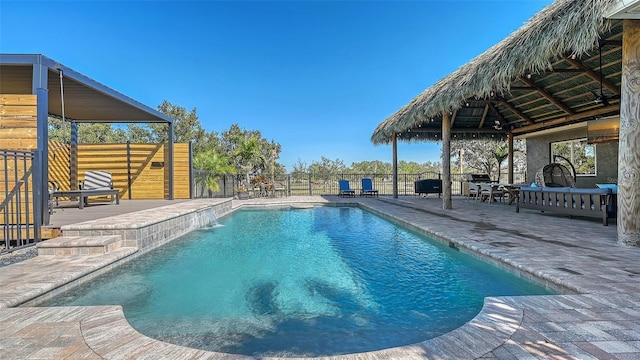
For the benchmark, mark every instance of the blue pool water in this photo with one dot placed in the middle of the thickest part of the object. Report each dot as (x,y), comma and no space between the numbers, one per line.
(300,282)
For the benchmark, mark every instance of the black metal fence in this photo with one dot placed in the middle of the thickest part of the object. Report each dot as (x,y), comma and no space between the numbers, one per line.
(297,184)
(21,212)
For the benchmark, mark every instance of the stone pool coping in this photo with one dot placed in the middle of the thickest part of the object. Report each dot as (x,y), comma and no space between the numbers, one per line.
(105,332)
(507,327)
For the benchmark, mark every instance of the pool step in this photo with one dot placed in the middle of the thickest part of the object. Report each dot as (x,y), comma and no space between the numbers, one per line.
(80,245)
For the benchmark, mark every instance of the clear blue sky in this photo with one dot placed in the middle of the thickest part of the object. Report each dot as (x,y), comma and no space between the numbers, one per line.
(315,76)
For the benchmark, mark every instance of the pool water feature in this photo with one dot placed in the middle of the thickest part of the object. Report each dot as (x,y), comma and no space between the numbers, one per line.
(300,282)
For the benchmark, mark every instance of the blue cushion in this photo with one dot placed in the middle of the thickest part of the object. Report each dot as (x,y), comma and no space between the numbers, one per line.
(613,187)
(556,189)
(591,191)
(530,188)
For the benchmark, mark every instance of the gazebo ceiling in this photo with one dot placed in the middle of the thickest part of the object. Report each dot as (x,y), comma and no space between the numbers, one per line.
(563,66)
(85,100)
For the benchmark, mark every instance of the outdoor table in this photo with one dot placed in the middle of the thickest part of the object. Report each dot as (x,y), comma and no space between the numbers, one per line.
(512,190)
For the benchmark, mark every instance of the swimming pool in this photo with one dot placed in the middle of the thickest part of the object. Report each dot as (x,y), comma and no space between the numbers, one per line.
(300,282)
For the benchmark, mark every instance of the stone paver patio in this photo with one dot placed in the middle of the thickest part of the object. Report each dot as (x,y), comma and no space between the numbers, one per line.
(598,317)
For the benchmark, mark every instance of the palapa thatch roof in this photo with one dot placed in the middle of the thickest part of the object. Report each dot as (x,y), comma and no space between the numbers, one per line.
(544,74)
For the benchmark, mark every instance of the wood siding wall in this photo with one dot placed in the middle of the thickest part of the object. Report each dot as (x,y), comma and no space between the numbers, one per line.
(147,167)
(18,131)
(18,122)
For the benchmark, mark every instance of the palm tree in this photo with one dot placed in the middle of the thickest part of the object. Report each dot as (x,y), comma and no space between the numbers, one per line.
(215,166)
(248,155)
(500,153)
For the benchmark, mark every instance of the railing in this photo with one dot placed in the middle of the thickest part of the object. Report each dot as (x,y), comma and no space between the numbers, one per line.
(20,210)
(327,184)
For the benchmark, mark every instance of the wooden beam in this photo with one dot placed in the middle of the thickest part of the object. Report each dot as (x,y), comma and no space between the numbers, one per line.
(567,70)
(592,74)
(394,145)
(524,88)
(501,118)
(510,159)
(460,131)
(566,119)
(515,111)
(446,162)
(628,146)
(548,96)
(453,117)
(484,116)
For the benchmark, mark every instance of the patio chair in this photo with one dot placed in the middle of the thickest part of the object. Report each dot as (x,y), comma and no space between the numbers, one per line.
(279,188)
(345,190)
(490,192)
(367,188)
(474,191)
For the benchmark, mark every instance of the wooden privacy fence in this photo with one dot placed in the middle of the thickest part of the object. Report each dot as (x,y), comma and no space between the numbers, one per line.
(139,171)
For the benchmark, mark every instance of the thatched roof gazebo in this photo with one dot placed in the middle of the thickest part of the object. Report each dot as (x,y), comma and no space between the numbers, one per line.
(566,65)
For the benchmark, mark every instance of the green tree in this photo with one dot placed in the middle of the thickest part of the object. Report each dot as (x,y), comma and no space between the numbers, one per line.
(215,166)
(235,137)
(327,166)
(186,128)
(88,133)
(500,154)
(371,167)
(249,157)
(410,167)
(486,156)
(140,134)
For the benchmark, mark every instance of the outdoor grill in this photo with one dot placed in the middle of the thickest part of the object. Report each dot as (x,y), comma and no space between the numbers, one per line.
(428,186)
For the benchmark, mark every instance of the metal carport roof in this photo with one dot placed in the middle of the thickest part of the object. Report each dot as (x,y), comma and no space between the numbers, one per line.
(85,100)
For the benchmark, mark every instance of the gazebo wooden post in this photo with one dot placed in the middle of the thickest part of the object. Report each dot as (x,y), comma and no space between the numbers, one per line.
(510,159)
(629,150)
(394,141)
(446,161)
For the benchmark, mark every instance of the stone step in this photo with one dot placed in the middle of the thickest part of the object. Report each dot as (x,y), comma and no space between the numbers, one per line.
(80,245)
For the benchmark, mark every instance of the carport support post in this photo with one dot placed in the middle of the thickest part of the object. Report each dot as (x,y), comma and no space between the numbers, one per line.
(446,161)
(394,185)
(629,147)
(73,156)
(171,159)
(40,79)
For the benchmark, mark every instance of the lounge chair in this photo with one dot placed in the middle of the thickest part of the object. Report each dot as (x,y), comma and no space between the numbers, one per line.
(344,188)
(53,187)
(367,188)
(95,183)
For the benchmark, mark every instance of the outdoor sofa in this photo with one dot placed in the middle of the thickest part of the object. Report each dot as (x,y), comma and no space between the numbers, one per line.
(589,202)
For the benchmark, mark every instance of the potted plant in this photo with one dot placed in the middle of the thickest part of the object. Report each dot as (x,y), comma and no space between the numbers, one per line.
(242,192)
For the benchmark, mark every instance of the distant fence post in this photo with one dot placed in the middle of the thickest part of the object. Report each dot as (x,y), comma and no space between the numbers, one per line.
(310,190)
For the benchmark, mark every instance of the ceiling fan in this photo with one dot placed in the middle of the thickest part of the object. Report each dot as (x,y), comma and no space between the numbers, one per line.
(601,98)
